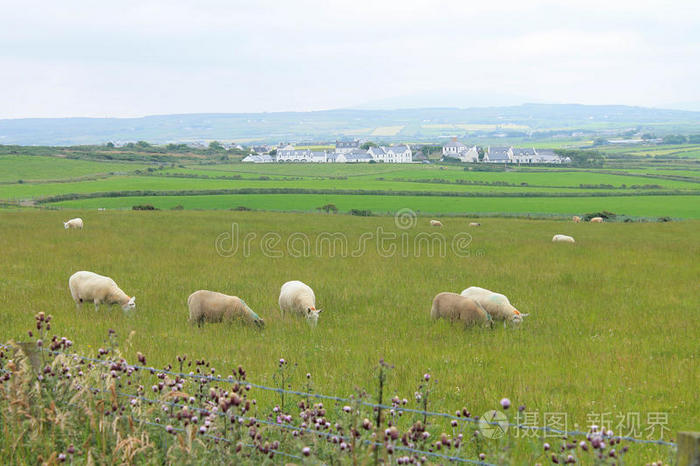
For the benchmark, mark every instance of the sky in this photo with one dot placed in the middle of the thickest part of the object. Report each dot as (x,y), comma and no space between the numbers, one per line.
(133,58)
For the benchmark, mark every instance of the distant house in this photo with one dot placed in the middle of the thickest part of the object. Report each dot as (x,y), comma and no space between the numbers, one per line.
(391,154)
(419,157)
(457,151)
(354,156)
(344,147)
(261,149)
(258,158)
(524,155)
(305,155)
(499,155)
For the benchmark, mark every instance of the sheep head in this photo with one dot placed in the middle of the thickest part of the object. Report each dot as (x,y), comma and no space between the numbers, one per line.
(131,304)
(312,315)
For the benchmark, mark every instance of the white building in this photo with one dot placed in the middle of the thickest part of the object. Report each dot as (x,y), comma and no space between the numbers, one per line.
(458,151)
(344,147)
(499,155)
(391,154)
(258,158)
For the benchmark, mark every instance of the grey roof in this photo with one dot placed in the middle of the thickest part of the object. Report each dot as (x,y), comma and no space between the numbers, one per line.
(358,154)
(547,152)
(454,144)
(346,144)
(523,151)
(377,150)
(399,148)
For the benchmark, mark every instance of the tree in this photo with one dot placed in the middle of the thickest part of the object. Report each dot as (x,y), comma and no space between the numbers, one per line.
(216,145)
(675,139)
(110,145)
(481,153)
(367,145)
(328,208)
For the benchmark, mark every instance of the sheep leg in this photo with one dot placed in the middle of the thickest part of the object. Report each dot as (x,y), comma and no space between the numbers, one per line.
(97,304)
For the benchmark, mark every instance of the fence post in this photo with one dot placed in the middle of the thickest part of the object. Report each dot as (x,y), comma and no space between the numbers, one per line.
(688,449)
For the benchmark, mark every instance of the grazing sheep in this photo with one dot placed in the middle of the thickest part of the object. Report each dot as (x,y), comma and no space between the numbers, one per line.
(496,304)
(101,209)
(298,298)
(210,306)
(435,223)
(89,286)
(597,220)
(562,239)
(457,308)
(474,224)
(73,223)
(577,219)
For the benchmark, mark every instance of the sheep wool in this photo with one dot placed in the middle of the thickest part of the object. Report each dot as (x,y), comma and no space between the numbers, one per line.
(496,304)
(211,306)
(298,298)
(457,308)
(89,286)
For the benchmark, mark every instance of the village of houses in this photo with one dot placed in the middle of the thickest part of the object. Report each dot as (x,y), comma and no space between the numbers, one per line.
(352,152)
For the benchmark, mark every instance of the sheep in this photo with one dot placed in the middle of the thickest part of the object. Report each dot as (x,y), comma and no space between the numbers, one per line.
(597,220)
(298,298)
(210,306)
(562,239)
(576,219)
(435,223)
(474,224)
(454,307)
(89,286)
(74,223)
(496,304)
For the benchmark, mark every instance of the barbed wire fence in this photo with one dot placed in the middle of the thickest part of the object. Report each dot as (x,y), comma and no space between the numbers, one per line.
(286,426)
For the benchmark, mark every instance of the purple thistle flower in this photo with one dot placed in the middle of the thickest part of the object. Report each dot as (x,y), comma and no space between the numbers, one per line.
(505,403)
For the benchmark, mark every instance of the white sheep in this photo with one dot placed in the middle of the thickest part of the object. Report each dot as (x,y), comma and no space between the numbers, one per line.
(474,224)
(74,223)
(89,286)
(576,219)
(563,239)
(457,308)
(496,304)
(597,220)
(298,298)
(435,223)
(210,306)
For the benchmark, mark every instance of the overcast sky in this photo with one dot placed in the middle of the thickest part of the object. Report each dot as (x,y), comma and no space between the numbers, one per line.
(133,58)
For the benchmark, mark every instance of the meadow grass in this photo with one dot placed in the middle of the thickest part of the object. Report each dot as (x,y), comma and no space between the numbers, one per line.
(22,167)
(636,206)
(613,318)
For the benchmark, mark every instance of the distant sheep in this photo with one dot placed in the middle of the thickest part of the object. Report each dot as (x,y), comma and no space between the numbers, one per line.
(577,219)
(210,306)
(101,209)
(474,224)
(74,223)
(597,220)
(298,298)
(562,239)
(457,308)
(496,304)
(89,286)
(435,223)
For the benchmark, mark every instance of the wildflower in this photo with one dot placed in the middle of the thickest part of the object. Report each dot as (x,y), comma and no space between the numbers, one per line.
(482,456)
(346,409)
(61,457)
(454,423)
(169,429)
(505,403)
(306,451)
(546,446)
(426,376)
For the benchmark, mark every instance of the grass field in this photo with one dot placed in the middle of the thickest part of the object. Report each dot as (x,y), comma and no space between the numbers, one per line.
(612,328)
(26,168)
(636,206)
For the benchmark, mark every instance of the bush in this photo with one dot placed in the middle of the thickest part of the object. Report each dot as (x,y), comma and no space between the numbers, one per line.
(143,207)
(604,214)
(361,213)
(177,207)
(664,219)
(242,208)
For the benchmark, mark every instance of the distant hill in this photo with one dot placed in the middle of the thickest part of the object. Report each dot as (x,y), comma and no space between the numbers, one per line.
(402,124)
